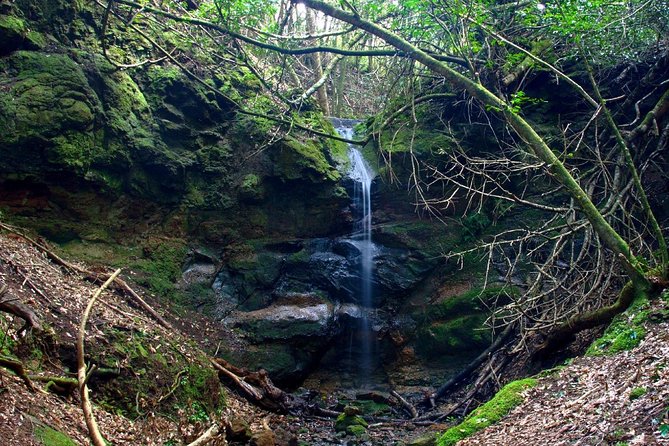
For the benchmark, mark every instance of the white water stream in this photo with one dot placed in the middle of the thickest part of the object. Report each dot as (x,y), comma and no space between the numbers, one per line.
(362,176)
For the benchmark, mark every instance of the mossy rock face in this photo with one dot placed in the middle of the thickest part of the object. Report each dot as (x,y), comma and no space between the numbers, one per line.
(13,31)
(457,324)
(297,160)
(464,334)
(49,112)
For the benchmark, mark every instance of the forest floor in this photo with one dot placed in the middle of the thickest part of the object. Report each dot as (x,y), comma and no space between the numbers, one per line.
(598,400)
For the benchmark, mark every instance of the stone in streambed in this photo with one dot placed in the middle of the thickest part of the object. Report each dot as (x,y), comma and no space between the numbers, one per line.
(351,422)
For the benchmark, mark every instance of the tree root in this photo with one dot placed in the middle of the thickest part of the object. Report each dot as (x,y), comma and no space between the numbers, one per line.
(18,369)
(58,384)
(563,333)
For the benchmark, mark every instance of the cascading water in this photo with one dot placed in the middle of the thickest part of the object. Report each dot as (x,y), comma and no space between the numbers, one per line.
(362,176)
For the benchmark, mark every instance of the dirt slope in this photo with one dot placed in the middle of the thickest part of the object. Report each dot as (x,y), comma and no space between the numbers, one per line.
(619,400)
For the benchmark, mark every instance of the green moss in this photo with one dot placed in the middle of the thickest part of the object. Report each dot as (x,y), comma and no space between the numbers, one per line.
(372,408)
(465,333)
(625,332)
(637,392)
(36,40)
(51,437)
(300,159)
(159,75)
(12,24)
(161,266)
(356,430)
(251,188)
(471,301)
(47,98)
(344,422)
(418,140)
(457,324)
(489,413)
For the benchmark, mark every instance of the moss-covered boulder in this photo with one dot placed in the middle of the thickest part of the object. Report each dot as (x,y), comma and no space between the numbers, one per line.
(49,113)
(350,422)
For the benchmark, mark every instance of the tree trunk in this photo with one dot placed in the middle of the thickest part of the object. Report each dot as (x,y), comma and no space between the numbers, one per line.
(317,65)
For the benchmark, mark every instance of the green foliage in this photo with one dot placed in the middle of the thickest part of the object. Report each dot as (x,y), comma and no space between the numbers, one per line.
(489,413)
(7,342)
(198,413)
(234,13)
(51,437)
(637,393)
(520,98)
(161,267)
(611,31)
(474,225)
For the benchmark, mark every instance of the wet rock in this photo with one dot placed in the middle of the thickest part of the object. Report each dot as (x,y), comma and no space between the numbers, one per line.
(310,318)
(198,273)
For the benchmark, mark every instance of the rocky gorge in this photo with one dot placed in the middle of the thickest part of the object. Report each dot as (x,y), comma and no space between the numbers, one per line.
(151,169)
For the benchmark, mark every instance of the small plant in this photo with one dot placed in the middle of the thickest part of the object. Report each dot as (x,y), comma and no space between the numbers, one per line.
(199,413)
(637,393)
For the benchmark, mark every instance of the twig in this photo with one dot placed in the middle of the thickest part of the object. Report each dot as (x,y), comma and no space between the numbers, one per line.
(407,405)
(207,436)
(86,407)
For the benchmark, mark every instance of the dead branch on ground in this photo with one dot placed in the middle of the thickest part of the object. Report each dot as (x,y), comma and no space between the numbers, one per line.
(82,376)
(18,369)
(91,276)
(13,305)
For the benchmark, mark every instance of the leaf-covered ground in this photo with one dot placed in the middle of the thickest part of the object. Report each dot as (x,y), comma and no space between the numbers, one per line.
(621,399)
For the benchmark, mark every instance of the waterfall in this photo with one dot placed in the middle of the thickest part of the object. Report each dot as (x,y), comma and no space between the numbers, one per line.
(362,176)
